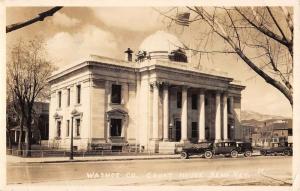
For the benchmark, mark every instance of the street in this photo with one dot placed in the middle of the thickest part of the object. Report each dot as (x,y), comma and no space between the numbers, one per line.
(258,170)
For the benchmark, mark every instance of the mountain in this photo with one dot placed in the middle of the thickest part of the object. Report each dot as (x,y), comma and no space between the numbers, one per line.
(251,115)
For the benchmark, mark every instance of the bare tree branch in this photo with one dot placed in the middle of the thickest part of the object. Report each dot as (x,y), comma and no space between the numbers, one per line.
(39,17)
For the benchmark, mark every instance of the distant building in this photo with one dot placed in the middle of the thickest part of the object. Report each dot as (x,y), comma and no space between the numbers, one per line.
(271,131)
(153,102)
(40,124)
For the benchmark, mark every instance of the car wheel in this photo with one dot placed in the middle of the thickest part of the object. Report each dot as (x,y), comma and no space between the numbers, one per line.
(234,154)
(248,154)
(263,153)
(286,153)
(184,155)
(208,154)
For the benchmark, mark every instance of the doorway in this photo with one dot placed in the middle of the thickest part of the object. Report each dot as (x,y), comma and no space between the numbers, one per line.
(177,131)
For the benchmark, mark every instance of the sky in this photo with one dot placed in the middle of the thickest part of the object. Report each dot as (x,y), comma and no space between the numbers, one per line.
(76,32)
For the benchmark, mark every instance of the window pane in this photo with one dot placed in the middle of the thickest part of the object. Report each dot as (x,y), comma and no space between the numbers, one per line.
(68,128)
(59,99)
(68,98)
(115,127)
(58,128)
(78,93)
(77,127)
(116,93)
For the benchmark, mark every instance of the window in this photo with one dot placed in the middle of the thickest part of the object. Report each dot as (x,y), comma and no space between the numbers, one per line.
(78,87)
(115,127)
(179,98)
(116,94)
(59,99)
(68,128)
(58,133)
(194,130)
(194,101)
(68,96)
(77,127)
(206,102)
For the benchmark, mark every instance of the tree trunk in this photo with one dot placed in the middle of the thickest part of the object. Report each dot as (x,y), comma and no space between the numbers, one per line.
(28,137)
(20,135)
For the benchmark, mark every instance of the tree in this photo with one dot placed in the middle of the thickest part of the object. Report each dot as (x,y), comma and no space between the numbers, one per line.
(261,36)
(39,17)
(27,73)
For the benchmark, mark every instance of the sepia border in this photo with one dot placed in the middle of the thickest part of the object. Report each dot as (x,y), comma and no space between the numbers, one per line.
(136,3)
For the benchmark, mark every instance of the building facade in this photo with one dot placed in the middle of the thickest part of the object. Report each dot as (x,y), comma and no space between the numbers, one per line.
(151,103)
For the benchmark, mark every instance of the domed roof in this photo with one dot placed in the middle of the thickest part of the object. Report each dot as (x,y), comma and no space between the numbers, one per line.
(160,41)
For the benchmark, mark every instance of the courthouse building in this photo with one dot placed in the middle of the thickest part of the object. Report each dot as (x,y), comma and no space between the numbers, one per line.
(152,100)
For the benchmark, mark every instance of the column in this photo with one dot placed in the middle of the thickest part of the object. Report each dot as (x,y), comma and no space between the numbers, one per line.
(201,118)
(184,115)
(166,112)
(218,118)
(155,111)
(108,131)
(225,118)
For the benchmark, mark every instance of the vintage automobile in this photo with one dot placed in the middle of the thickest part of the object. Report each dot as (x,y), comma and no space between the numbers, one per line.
(195,149)
(277,149)
(245,148)
(208,150)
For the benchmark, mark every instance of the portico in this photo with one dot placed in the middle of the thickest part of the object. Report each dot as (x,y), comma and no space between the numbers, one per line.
(161,91)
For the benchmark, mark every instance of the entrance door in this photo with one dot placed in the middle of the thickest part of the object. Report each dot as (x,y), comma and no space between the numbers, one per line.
(177,130)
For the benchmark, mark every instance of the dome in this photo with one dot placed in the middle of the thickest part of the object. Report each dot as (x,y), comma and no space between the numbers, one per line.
(160,41)
(162,45)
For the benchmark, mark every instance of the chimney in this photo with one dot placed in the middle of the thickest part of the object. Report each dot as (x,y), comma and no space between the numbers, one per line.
(128,55)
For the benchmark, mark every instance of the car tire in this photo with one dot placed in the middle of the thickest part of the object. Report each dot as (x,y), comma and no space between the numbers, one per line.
(286,153)
(234,154)
(184,155)
(248,154)
(263,153)
(208,154)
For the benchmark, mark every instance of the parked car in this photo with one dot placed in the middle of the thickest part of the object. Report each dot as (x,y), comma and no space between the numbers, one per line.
(195,149)
(245,148)
(277,149)
(208,150)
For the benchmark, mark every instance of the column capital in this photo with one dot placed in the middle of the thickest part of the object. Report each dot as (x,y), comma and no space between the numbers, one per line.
(165,84)
(156,84)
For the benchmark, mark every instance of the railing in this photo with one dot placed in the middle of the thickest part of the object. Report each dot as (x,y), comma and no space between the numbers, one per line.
(66,153)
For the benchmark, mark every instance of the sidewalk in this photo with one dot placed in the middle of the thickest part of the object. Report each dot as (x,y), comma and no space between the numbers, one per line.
(16,159)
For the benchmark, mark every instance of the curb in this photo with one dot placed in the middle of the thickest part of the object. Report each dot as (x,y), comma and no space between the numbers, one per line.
(93,160)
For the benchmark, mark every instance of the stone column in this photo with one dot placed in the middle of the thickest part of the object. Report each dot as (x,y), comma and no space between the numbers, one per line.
(155,111)
(166,112)
(201,117)
(108,131)
(218,118)
(225,118)
(184,115)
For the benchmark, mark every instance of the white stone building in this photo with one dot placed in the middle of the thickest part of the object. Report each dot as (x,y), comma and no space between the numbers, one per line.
(151,103)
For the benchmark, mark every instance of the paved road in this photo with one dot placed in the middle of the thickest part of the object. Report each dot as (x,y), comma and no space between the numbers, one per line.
(196,171)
